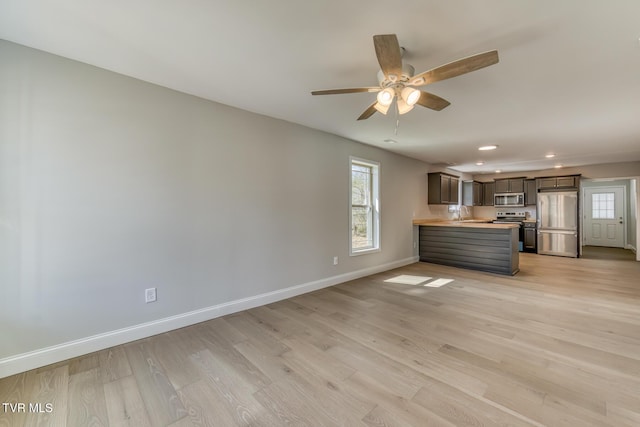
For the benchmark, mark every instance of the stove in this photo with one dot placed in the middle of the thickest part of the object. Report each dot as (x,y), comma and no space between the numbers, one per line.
(505,217)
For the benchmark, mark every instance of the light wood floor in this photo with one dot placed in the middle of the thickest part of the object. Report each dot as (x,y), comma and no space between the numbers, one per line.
(600,252)
(556,345)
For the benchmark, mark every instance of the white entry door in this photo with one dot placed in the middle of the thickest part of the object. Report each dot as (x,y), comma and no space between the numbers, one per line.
(604,216)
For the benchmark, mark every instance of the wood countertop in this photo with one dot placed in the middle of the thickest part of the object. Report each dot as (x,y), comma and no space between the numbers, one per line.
(474,223)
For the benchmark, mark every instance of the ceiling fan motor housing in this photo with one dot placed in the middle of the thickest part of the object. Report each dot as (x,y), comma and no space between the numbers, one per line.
(407,72)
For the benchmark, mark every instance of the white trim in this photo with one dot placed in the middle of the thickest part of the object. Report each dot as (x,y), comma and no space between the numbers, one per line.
(376,184)
(364,251)
(586,203)
(56,353)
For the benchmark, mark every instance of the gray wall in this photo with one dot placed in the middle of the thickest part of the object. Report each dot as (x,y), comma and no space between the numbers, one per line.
(109,185)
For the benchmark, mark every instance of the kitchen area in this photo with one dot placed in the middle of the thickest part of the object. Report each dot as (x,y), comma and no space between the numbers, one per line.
(542,213)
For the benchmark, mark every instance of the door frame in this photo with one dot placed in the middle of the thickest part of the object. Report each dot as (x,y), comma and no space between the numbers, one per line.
(635,206)
(625,231)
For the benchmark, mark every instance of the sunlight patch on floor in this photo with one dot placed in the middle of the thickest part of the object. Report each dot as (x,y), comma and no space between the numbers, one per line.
(405,279)
(438,282)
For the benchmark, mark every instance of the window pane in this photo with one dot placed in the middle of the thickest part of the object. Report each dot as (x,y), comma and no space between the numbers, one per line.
(361,233)
(360,184)
(603,205)
(365,219)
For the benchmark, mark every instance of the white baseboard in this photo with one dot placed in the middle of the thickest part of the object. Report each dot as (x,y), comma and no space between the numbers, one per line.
(45,356)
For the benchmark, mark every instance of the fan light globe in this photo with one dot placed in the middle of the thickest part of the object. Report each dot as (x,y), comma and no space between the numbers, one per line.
(403,107)
(385,97)
(410,95)
(381,108)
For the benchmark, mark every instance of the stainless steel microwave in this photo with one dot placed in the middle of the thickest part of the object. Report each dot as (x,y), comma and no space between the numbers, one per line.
(509,200)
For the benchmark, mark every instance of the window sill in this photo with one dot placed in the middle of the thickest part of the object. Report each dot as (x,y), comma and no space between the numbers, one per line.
(364,251)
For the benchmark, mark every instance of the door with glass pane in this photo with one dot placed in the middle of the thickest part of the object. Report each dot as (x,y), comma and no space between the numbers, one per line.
(604,217)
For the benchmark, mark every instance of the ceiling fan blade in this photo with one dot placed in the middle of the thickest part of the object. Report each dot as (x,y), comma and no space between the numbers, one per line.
(340,91)
(389,55)
(368,112)
(456,68)
(432,101)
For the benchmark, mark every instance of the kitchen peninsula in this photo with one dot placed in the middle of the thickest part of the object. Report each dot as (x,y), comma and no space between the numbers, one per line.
(476,245)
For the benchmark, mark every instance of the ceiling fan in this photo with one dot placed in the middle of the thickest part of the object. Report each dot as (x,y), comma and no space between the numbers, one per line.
(397,80)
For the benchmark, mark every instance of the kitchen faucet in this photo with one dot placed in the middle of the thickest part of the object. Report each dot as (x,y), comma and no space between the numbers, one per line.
(460,216)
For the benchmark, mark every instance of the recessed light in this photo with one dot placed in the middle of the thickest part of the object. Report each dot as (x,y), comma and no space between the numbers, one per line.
(498,171)
(479,163)
(557,166)
(487,147)
(550,156)
(391,141)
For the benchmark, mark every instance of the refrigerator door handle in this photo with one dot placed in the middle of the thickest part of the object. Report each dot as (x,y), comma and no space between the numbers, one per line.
(574,232)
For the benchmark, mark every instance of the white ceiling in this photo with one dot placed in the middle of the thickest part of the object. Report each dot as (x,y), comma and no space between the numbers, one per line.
(568,80)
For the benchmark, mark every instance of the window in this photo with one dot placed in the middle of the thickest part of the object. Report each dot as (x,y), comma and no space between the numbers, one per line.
(364,206)
(602,205)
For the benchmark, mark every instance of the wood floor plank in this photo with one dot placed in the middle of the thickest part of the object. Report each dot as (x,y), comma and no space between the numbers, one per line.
(84,363)
(204,406)
(520,376)
(278,325)
(325,364)
(223,328)
(185,422)
(296,402)
(431,364)
(13,390)
(227,355)
(325,375)
(259,335)
(390,408)
(273,367)
(49,393)
(113,364)
(160,398)
(125,407)
(625,411)
(397,378)
(87,404)
(230,387)
(460,408)
(173,351)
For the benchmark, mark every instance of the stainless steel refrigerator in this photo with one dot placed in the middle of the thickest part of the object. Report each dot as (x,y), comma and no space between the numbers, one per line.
(558,223)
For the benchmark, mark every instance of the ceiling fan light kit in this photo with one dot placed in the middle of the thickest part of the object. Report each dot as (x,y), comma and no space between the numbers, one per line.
(410,95)
(403,107)
(381,108)
(397,81)
(385,96)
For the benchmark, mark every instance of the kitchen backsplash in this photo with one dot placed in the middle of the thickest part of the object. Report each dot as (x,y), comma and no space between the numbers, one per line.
(442,211)
(490,211)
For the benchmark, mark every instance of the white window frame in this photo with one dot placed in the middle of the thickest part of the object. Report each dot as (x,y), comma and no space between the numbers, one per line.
(374,204)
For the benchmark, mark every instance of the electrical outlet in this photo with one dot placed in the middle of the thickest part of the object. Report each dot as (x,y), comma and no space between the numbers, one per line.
(335,260)
(150,295)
